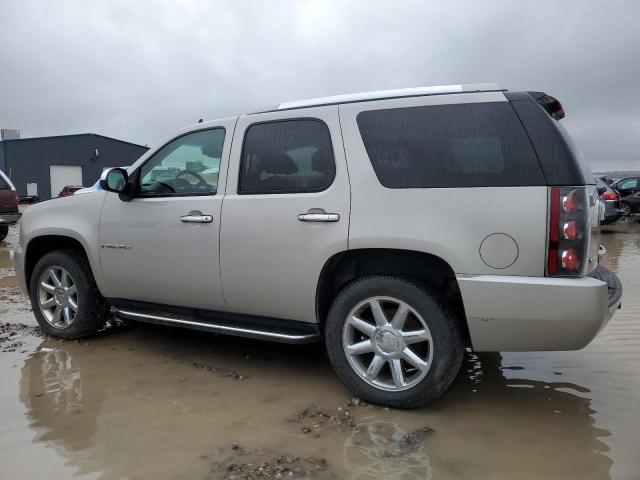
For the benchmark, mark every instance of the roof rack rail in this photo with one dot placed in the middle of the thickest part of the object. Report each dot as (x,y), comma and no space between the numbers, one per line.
(385,94)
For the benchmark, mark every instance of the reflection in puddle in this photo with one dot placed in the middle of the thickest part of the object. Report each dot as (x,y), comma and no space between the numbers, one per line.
(384,450)
(53,393)
(96,403)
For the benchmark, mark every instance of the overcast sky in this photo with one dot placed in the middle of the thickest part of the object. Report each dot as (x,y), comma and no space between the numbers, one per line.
(141,70)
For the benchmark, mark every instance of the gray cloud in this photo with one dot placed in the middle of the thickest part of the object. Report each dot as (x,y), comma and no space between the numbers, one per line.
(141,70)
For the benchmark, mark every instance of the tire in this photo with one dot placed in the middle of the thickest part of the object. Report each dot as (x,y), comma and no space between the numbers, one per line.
(627,209)
(4,231)
(442,356)
(92,311)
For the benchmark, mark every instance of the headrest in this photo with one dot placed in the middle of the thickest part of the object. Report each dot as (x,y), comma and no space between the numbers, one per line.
(280,164)
(212,148)
(320,159)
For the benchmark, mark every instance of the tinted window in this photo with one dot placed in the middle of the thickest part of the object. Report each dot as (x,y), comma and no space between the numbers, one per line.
(469,145)
(189,165)
(3,184)
(290,156)
(555,150)
(627,184)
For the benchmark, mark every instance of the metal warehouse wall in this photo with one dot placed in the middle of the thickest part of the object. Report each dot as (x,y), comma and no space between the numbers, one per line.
(27,160)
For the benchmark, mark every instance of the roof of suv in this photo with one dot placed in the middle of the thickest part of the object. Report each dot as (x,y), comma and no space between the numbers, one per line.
(385,94)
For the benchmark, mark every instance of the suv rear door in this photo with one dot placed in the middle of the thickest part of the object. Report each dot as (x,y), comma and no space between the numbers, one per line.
(285,211)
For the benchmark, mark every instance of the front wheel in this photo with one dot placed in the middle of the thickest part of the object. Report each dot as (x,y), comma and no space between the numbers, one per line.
(64,296)
(393,342)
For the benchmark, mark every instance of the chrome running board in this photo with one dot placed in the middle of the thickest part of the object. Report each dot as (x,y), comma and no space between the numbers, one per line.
(251,327)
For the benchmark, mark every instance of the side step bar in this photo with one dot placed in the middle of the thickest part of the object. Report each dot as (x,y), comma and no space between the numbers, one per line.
(252,327)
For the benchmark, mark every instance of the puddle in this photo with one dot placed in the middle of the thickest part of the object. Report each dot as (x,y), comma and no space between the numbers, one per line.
(152,402)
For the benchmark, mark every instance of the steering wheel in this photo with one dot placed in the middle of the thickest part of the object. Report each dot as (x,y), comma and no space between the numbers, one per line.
(185,184)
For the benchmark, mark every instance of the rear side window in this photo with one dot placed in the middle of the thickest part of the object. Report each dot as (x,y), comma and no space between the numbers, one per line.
(4,185)
(289,156)
(468,145)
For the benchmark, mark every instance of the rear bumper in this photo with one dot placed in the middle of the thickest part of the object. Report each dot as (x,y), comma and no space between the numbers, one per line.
(9,218)
(510,313)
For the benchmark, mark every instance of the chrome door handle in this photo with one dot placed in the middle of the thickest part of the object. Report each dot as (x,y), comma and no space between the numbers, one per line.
(319,217)
(191,218)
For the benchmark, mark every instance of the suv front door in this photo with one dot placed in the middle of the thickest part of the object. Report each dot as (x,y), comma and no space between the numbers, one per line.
(162,247)
(285,211)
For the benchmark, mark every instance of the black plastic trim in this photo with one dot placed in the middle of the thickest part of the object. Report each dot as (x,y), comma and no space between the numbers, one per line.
(250,326)
(612,281)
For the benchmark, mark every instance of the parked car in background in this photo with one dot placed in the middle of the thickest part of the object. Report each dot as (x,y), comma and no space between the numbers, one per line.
(629,190)
(330,220)
(613,210)
(69,190)
(9,213)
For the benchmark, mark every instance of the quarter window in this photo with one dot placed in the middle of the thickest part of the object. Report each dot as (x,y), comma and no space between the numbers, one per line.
(189,165)
(468,145)
(289,156)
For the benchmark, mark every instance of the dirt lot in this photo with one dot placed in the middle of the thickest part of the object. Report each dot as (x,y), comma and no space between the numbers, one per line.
(150,402)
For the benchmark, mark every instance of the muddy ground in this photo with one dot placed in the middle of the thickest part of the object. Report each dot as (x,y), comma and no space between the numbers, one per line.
(150,402)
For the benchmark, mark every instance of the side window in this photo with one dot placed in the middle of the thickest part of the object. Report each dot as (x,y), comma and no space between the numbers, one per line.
(288,156)
(189,165)
(628,184)
(467,145)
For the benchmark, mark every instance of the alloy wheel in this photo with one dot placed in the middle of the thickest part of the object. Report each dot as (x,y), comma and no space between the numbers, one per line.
(387,343)
(57,297)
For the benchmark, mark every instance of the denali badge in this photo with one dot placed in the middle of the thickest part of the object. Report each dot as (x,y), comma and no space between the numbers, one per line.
(117,246)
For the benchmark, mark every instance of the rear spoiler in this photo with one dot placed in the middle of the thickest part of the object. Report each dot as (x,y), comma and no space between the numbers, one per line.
(551,105)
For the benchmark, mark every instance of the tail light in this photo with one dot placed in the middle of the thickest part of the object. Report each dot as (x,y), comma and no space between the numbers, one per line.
(567,248)
(16,199)
(609,196)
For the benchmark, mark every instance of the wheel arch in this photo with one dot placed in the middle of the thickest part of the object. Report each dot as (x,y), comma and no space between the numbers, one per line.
(41,245)
(349,265)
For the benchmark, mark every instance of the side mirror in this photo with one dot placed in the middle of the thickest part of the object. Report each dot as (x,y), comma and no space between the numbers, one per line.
(117,180)
(114,180)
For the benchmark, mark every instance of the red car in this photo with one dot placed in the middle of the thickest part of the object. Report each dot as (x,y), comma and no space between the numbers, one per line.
(9,213)
(69,190)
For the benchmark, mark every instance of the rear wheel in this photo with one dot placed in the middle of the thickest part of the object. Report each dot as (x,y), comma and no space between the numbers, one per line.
(393,341)
(4,231)
(627,209)
(64,297)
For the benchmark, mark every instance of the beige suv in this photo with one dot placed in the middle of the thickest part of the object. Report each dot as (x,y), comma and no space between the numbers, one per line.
(397,227)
